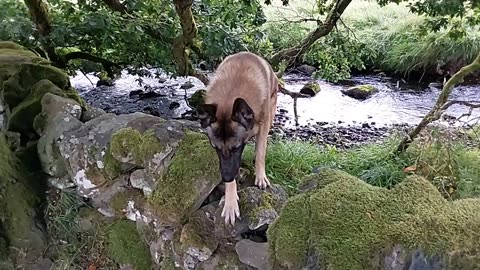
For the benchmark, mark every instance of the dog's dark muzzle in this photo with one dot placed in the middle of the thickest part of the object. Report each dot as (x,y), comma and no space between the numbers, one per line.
(230,166)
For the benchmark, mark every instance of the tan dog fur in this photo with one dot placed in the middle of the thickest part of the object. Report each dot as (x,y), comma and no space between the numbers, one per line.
(249,77)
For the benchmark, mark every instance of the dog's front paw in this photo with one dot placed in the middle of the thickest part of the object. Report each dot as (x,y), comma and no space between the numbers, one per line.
(262,181)
(230,209)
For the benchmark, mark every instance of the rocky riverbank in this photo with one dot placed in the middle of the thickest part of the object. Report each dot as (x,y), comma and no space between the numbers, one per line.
(330,117)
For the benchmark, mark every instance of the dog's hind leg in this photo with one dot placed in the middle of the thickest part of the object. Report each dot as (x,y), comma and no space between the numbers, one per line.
(261,179)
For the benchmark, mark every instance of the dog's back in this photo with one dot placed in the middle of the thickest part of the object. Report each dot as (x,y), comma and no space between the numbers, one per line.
(243,75)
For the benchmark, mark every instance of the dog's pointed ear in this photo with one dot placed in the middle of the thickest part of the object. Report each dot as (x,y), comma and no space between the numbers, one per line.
(207,114)
(243,114)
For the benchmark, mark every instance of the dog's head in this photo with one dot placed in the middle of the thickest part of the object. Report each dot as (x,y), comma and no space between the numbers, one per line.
(228,134)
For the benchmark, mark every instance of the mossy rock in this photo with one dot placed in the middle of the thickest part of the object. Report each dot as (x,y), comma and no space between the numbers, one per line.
(196,237)
(345,223)
(311,89)
(73,94)
(260,207)
(119,201)
(11,59)
(20,84)
(197,98)
(22,116)
(128,145)
(125,246)
(17,226)
(360,92)
(11,45)
(191,176)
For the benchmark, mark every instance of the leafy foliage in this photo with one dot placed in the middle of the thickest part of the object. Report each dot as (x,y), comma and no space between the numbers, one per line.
(141,33)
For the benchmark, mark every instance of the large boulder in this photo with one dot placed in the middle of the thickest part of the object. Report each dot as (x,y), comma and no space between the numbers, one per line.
(340,222)
(53,105)
(360,92)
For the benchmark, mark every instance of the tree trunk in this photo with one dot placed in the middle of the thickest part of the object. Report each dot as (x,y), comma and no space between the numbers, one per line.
(39,15)
(294,55)
(183,43)
(436,112)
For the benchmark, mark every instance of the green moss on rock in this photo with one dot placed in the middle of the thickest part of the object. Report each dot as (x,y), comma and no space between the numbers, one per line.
(20,84)
(197,98)
(23,115)
(12,56)
(150,145)
(73,94)
(125,146)
(120,200)
(311,89)
(360,92)
(194,166)
(11,45)
(288,235)
(126,247)
(16,211)
(112,167)
(348,221)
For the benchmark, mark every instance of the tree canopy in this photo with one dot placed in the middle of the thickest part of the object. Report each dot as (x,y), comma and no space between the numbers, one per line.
(95,35)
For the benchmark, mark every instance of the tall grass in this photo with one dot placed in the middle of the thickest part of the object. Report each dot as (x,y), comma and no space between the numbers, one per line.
(448,164)
(392,37)
(288,161)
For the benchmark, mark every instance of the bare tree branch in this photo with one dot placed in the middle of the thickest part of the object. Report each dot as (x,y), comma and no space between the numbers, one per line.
(295,54)
(442,103)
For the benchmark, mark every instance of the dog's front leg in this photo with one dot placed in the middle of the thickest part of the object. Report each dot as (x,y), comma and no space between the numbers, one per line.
(261,179)
(230,207)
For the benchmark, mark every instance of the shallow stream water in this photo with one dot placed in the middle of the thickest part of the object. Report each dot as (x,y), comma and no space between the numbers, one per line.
(405,104)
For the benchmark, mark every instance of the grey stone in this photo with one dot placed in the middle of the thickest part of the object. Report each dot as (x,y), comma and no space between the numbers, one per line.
(309,70)
(91,113)
(53,105)
(48,145)
(137,180)
(253,254)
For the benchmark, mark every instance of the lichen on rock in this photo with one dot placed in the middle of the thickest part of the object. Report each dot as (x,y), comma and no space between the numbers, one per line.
(126,247)
(347,222)
(196,238)
(191,176)
(51,106)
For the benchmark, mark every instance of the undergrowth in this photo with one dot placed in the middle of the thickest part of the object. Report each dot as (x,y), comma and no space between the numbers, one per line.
(77,245)
(448,163)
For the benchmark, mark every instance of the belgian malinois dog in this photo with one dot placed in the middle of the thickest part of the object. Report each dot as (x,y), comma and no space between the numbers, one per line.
(240,103)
